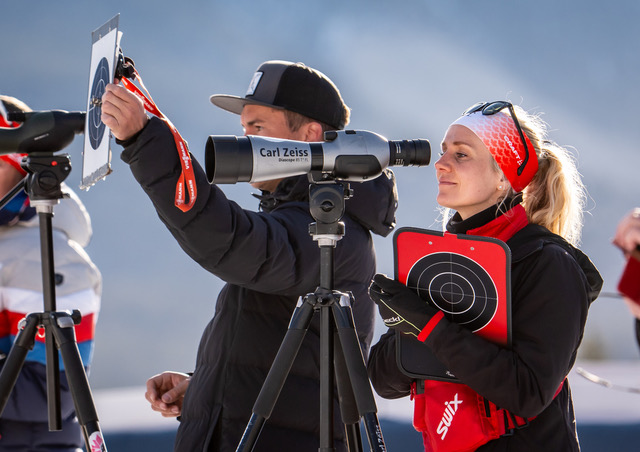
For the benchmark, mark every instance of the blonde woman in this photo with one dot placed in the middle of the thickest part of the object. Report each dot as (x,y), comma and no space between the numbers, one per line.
(505,180)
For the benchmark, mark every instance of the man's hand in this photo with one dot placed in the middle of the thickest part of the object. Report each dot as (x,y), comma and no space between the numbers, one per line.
(122,111)
(400,307)
(165,392)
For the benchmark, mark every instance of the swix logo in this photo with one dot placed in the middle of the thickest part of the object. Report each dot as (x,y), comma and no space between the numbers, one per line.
(513,150)
(447,417)
(392,320)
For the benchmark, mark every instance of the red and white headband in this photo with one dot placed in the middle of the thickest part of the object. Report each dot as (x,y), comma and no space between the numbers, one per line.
(499,133)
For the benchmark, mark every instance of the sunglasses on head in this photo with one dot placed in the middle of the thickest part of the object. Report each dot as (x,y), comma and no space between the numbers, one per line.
(491,108)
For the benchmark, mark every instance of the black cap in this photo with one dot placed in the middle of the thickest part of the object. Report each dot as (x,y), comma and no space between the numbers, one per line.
(294,87)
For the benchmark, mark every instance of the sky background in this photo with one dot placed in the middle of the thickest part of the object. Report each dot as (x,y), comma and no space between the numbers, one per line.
(407,69)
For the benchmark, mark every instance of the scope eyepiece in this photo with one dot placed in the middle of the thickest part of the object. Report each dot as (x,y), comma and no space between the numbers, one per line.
(409,152)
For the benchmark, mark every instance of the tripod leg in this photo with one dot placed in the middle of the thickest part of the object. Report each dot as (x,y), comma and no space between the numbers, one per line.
(263,406)
(15,360)
(62,327)
(326,381)
(358,372)
(348,406)
(53,381)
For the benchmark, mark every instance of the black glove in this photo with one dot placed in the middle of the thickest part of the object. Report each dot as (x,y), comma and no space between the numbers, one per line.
(400,307)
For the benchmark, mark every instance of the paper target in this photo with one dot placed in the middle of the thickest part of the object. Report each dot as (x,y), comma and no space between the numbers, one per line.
(95,126)
(96,156)
(457,286)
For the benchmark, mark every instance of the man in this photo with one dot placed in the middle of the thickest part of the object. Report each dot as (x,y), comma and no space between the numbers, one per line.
(24,424)
(267,258)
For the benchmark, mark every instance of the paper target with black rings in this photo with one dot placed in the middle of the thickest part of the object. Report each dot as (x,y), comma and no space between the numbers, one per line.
(96,127)
(457,286)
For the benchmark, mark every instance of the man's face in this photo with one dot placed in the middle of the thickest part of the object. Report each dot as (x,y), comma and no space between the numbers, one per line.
(267,122)
(9,177)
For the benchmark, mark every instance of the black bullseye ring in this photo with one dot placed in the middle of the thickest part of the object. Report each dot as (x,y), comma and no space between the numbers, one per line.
(456,285)
(95,125)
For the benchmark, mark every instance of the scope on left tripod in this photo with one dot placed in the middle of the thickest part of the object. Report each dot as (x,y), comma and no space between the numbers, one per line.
(41,131)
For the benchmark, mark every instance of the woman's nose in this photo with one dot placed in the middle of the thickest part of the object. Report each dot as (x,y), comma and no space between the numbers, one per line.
(442,163)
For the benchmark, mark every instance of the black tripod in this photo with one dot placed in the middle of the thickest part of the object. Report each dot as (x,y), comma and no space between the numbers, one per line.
(342,357)
(42,184)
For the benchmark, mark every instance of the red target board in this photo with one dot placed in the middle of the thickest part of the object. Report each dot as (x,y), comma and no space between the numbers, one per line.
(466,277)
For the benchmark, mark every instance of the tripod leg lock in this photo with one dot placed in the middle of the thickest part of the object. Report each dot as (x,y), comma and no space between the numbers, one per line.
(65,322)
(33,319)
(66,319)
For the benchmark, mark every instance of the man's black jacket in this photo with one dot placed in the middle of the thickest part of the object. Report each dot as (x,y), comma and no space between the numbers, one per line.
(268,260)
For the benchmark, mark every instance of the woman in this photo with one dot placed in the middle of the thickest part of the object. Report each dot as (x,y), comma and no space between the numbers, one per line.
(504,180)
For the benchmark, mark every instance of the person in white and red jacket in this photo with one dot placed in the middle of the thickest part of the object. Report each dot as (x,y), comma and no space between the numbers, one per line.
(24,421)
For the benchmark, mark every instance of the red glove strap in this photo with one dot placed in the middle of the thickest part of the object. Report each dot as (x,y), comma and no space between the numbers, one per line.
(431,324)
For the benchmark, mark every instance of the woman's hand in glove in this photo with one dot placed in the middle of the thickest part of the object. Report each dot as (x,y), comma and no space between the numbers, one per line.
(400,307)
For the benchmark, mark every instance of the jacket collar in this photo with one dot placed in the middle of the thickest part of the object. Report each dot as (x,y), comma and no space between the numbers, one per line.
(495,221)
(295,188)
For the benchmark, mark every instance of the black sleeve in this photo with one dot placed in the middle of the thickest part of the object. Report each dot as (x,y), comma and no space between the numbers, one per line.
(386,377)
(242,247)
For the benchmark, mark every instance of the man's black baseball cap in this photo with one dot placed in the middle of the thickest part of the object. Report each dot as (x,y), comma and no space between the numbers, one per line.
(294,87)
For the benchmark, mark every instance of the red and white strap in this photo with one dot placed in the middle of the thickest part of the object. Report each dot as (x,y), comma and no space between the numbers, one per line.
(186,192)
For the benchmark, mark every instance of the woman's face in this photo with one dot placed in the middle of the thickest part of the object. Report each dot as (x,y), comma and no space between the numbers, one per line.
(468,180)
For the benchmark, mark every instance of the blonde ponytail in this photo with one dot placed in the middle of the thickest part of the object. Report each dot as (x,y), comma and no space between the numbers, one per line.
(556,196)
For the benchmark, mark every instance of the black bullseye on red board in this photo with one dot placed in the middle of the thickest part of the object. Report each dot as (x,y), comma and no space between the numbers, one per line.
(457,286)
(466,277)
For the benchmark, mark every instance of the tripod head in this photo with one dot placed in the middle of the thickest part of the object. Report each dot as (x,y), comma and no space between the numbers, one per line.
(46,173)
(327,197)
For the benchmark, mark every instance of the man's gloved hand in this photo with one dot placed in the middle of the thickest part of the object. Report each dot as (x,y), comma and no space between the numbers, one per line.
(400,307)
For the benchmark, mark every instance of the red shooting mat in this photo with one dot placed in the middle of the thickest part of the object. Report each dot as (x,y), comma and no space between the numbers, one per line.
(466,277)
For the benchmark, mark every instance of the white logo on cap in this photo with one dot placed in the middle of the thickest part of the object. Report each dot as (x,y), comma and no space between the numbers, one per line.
(254,83)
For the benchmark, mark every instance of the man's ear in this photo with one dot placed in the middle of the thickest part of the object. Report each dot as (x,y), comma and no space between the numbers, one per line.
(312,131)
